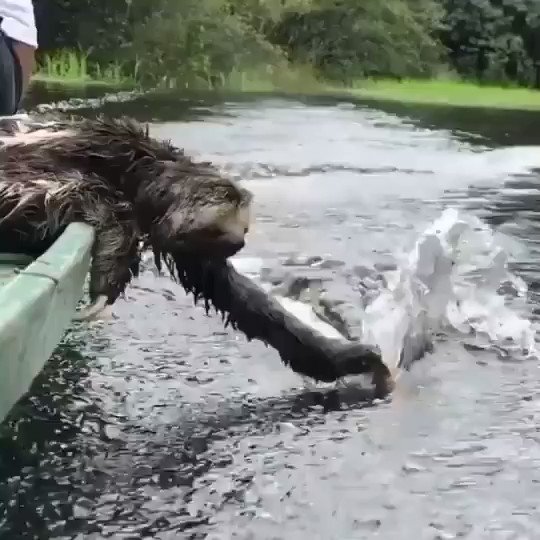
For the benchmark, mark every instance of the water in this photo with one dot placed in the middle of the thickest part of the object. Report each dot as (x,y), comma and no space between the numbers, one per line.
(456,278)
(160,424)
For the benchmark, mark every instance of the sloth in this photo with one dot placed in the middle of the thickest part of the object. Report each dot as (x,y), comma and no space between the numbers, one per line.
(137,191)
(129,187)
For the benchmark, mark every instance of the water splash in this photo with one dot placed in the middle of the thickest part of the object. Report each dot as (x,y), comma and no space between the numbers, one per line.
(456,279)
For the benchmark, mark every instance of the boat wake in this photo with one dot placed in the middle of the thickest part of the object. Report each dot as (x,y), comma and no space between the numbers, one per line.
(455,281)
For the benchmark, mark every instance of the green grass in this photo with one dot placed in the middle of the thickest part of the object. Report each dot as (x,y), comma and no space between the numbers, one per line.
(447,92)
(71,68)
(61,81)
(453,93)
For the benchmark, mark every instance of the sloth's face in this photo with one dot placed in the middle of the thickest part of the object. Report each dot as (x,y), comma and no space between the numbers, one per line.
(198,212)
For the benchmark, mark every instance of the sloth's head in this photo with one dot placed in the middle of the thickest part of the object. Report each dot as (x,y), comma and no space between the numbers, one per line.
(184,206)
(197,212)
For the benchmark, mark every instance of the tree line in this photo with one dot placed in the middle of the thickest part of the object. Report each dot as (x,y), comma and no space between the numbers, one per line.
(341,40)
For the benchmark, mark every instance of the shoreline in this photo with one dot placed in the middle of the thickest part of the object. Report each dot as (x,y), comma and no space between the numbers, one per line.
(67,82)
(445,93)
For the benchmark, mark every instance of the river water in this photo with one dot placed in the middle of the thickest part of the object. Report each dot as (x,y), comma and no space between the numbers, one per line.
(160,424)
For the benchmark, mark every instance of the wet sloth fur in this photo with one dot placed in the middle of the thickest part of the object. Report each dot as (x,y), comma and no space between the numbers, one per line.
(132,188)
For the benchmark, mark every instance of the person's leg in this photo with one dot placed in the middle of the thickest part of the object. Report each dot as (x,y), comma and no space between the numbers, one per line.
(10,78)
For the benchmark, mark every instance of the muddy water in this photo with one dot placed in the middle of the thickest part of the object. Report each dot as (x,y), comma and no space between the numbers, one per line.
(160,424)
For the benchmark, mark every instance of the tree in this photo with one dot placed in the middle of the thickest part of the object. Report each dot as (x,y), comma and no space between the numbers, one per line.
(346,39)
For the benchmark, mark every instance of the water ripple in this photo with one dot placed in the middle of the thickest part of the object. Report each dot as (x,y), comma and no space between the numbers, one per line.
(261,170)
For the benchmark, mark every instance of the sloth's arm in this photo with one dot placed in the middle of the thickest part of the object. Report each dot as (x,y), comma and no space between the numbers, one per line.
(248,308)
(115,250)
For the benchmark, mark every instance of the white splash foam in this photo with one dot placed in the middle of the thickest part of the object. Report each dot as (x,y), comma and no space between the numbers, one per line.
(450,280)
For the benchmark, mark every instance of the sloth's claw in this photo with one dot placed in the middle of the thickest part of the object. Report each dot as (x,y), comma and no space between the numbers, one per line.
(92,311)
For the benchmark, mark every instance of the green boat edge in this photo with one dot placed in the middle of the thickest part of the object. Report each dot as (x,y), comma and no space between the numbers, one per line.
(37,305)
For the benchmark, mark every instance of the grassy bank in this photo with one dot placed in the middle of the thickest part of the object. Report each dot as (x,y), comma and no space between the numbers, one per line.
(79,83)
(70,69)
(453,93)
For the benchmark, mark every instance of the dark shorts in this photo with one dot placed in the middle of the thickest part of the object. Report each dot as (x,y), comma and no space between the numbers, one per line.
(10,77)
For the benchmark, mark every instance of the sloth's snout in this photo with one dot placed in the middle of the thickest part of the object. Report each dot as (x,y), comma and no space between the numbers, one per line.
(232,247)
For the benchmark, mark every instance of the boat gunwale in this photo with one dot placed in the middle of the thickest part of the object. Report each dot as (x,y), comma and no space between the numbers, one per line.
(37,306)
(49,268)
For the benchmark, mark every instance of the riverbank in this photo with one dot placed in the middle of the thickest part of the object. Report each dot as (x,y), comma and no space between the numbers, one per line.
(81,82)
(452,93)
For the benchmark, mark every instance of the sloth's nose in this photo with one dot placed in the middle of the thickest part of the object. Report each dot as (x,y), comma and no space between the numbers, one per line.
(235,246)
